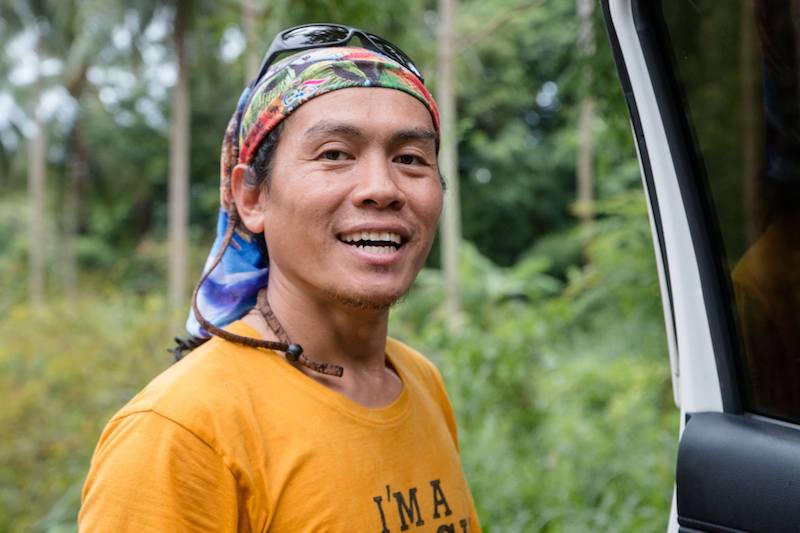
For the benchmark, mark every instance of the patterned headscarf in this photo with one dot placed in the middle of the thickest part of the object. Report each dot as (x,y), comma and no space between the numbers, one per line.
(230,290)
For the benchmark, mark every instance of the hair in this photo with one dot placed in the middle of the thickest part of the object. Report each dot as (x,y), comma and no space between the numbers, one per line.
(264,159)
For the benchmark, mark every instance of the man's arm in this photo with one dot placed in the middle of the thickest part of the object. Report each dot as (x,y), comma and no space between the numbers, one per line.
(149,473)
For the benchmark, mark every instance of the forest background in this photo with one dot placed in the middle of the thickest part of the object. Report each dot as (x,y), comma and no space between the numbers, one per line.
(542,310)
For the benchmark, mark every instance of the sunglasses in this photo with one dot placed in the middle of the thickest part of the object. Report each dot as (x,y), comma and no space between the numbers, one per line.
(310,36)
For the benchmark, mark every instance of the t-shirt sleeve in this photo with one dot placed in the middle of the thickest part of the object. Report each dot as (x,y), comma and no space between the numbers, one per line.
(444,402)
(150,473)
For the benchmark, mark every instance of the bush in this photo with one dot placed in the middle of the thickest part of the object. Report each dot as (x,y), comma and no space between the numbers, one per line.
(64,370)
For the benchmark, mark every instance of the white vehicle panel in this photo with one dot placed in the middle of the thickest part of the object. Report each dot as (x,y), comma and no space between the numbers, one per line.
(698,382)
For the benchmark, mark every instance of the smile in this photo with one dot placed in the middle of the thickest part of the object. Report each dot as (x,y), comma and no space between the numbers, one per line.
(375,242)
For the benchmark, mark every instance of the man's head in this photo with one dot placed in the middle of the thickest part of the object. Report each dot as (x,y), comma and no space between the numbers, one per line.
(332,157)
(354,197)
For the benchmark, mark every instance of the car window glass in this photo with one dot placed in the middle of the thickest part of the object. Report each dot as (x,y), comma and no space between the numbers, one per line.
(737,66)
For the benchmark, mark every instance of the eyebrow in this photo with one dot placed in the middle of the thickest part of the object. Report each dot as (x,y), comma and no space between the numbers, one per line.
(415,134)
(326,127)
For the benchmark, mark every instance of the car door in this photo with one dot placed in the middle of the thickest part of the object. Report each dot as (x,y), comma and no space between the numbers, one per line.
(713,90)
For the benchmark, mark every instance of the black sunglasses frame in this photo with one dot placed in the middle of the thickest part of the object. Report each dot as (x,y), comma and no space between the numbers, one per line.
(370,41)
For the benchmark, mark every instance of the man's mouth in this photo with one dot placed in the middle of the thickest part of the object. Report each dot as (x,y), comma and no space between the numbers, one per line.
(375,242)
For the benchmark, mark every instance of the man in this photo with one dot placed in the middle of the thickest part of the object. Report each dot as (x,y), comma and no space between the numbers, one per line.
(329,163)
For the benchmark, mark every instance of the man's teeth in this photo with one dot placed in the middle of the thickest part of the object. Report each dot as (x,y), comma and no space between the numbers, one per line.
(385,236)
(378,249)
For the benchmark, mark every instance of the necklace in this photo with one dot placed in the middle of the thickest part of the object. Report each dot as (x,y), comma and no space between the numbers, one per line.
(294,352)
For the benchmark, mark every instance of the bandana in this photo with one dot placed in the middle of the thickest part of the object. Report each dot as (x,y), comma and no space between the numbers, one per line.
(230,291)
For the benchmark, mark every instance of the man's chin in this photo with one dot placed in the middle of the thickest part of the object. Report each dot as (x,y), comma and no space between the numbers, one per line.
(376,301)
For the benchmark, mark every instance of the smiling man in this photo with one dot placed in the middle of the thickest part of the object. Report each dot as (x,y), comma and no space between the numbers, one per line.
(300,414)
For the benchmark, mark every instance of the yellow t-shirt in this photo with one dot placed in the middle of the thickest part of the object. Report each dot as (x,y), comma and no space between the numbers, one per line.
(236,439)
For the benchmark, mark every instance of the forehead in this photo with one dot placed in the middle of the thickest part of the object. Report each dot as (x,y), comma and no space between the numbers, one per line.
(373,110)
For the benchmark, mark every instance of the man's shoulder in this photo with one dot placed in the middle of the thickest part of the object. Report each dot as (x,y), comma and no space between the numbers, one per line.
(412,361)
(208,382)
(397,349)
(423,378)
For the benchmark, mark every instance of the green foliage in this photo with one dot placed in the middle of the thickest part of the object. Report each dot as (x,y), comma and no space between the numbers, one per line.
(15,246)
(561,384)
(64,370)
(519,123)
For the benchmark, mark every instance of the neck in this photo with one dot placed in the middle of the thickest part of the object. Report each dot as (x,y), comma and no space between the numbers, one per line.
(335,333)
(330,331)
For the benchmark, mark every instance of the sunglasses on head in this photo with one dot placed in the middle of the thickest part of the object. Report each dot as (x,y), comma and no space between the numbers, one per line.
(310,36)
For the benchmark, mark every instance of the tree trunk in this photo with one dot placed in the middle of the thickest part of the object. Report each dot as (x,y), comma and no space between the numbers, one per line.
(585,164)
(251,40)
(178,216)
(451,220)
(274,14)
(77,173)
(584,175)
(36,206)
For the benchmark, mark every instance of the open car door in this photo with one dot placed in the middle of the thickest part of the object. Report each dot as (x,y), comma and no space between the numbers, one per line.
(713,90)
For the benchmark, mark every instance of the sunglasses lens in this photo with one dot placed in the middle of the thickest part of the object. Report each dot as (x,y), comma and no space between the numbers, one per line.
(324,35)
(314,35)
(392,51)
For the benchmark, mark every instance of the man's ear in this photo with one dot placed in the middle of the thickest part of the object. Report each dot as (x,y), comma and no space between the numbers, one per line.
(247,197)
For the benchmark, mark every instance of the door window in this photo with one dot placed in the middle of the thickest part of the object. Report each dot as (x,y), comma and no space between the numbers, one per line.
(737,67)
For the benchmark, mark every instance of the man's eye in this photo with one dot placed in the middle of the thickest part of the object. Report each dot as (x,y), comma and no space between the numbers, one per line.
(333,155)
(408,159)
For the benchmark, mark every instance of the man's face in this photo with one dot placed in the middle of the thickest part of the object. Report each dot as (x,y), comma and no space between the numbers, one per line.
(354,198)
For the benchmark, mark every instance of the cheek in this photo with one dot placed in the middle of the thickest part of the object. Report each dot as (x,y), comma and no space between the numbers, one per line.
(300,215)
(429,207)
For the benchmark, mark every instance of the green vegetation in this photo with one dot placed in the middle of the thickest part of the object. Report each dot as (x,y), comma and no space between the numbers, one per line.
(64,370)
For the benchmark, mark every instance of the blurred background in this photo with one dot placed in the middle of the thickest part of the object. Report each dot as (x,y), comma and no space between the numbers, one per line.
(540,302)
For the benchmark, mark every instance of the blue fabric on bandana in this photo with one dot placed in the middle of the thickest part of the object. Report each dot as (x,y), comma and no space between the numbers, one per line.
(231,289)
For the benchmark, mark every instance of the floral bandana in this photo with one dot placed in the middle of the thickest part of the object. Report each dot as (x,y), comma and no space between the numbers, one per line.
(230,291)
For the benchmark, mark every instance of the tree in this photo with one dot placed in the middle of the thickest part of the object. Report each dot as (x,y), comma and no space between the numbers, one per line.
(585,159)
(249,18)
(37,209)
(451,220)
(23,18)
(86,31)
(71,35)
(178,200)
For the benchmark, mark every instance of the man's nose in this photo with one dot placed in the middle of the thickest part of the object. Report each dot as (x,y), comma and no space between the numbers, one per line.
(377,184)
